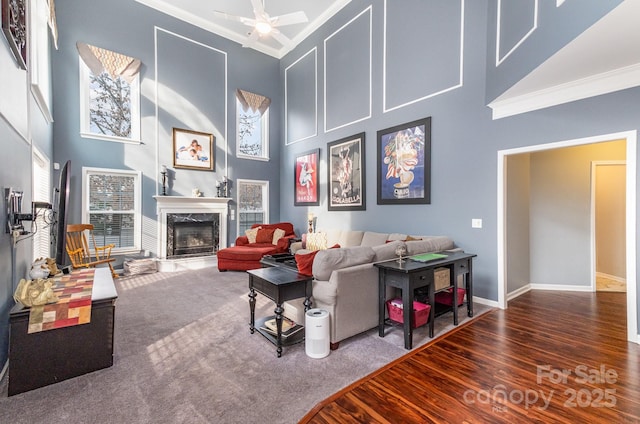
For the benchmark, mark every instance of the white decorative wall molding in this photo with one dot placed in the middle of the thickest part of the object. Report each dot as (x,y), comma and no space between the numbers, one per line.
(534,26)
(367,10)
(315,101)
(459,84)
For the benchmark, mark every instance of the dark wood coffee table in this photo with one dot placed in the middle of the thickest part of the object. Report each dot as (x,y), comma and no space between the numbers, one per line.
(279,284)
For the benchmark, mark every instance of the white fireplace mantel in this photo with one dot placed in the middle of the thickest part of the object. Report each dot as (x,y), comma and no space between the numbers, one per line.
(182,204)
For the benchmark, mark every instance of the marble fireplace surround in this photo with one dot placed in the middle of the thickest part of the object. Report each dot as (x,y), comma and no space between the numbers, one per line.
(166,205)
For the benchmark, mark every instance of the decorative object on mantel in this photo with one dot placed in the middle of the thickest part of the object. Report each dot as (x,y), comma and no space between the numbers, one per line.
(164,179)
(14,26)
(222,187)
(193,150)
(195,192)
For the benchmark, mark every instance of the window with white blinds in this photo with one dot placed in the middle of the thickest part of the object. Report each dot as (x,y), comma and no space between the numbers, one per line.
(111,202)
(41,193)
(253,204)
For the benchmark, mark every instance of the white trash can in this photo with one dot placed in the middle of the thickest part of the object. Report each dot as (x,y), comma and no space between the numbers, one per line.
(317,336)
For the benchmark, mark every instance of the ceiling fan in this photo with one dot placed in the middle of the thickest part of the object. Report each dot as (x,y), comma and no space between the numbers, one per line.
(264,25)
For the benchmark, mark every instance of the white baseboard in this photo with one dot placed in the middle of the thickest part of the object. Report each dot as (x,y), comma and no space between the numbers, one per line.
(184,264)
(560,287)
(483,301)
(612,277)
(518,292)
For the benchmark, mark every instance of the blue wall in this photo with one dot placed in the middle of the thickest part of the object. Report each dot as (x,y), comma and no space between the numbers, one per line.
(197,74)
(414,75)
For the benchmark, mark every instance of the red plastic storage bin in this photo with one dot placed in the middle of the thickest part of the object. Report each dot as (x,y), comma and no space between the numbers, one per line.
(446,296)
(420,312)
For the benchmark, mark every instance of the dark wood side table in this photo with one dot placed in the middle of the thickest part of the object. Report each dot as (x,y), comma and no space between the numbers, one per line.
(47,357)
(407,276)
(279,284)
(411,275)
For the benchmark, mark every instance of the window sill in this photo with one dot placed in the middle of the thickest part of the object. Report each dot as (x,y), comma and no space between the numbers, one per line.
(108,138)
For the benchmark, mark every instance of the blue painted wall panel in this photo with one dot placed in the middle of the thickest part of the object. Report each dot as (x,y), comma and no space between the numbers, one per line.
(422,49)
(348,70)
(301,104)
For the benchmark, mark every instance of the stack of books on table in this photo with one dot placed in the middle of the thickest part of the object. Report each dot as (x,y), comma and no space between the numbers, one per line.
(289,327)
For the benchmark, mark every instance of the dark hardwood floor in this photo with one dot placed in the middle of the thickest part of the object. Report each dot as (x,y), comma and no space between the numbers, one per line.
(551,357)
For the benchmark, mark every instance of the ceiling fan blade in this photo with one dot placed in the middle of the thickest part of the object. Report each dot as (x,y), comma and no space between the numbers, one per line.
(258,8)
(251,40)
(280,37)
(289,19)
(244,20)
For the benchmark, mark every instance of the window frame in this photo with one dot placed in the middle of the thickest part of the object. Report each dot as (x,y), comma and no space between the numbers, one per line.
(41,194)
(264,131)
(137,209)
(265,197)
(85,125)
(39,56)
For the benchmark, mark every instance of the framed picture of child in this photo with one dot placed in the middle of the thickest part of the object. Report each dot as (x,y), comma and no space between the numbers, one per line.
(193,150)
(346,182)
(306,179)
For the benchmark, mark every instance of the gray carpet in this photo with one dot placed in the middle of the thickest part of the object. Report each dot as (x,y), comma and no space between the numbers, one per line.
(184,354)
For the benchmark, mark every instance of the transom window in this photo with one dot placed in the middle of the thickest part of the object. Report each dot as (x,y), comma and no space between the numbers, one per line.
(109,95)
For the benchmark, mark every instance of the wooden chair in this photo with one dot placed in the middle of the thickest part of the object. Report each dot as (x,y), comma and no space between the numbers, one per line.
(79,252)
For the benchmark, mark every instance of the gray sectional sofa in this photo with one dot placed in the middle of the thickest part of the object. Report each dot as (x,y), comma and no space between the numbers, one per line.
(345,282)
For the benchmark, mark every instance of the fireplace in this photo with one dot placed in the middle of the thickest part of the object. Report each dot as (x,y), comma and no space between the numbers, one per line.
(190,231)
(191,235)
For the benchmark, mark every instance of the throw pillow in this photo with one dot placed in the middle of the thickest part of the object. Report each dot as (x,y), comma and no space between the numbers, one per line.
(265,235)
(316,241)
(409,238)
(251,234)
(277,235)
(305,262)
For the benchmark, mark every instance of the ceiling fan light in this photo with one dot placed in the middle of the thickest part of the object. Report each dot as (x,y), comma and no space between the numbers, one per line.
(263,27)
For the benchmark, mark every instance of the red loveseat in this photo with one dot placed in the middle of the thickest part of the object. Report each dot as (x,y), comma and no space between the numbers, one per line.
(245,256)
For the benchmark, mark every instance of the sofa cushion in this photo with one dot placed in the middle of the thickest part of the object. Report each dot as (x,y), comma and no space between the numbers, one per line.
(286,226)
(265,235)
(278,233)
(397,236)
(373,239)
(305,262)
(350,238)
(328,260)
(252,234)
(246,253)
(429,244)
(386,251)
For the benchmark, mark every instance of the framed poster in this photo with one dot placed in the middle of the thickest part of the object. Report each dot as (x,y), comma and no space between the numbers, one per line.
(306,179)
(404,163)
(193,150)
(346,176)
(14,27)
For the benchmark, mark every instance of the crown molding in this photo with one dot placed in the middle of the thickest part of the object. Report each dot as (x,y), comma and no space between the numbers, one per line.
(594,85)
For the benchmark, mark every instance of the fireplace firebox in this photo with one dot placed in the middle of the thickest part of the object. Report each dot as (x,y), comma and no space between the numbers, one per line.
(192,234)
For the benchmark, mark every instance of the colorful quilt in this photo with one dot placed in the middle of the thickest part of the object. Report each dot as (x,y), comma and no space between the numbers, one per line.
(73,307)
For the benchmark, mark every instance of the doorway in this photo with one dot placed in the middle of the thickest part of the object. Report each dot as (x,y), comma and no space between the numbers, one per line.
(630,141)
(608,231)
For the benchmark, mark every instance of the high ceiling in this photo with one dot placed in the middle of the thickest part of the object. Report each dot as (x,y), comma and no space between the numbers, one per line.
(201,13)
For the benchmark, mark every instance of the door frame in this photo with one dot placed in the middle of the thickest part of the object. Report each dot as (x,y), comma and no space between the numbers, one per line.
(594,165)
(631,240)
